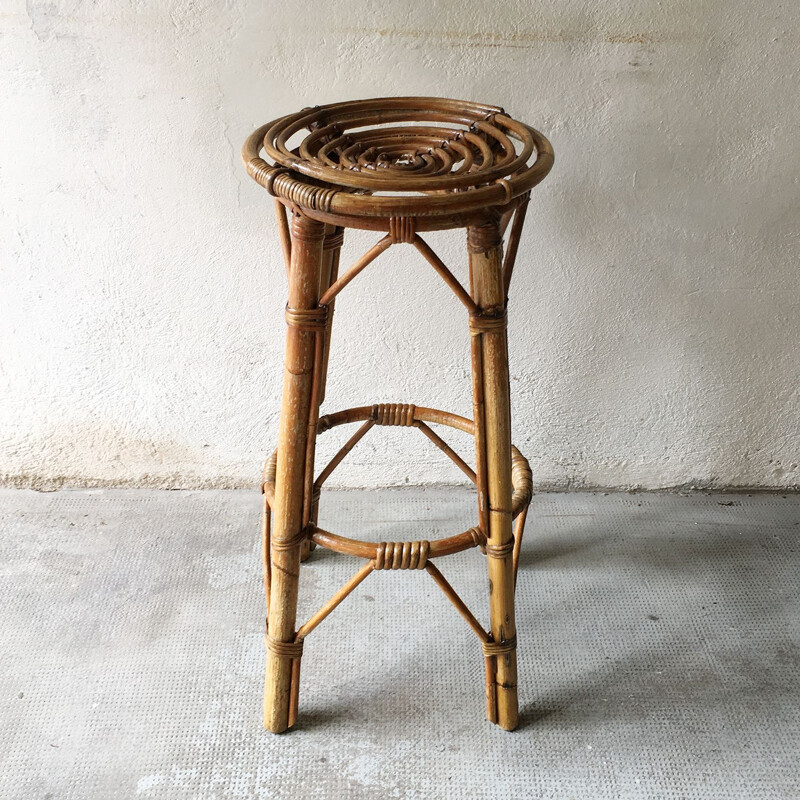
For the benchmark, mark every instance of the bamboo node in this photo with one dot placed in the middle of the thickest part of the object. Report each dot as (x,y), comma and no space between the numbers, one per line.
(334,240)
(401,414)
(285,649)
(307,319)
(305,229)
(293,541)
(402,229)
(482,238)
(402,555)
(500,550)
(487,322)
(492,648)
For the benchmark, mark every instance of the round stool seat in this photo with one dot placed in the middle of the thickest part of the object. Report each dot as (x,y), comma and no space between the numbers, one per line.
(398,157)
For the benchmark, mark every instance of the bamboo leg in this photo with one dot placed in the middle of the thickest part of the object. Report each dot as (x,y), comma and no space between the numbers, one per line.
(266,548)
(304,328)
(331,247)
(493,421)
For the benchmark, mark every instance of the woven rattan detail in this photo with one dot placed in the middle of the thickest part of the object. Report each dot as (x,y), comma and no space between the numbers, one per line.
(492,322)
(313,197)
(500,648)
(262,173)
(521,478)
(500,550)
(333,241)
(268,474)
(402,555)
(292,541)
(401,414)
(306,229)
(307,319)
(401,230)
(361,157)
(482,238)
(285,649)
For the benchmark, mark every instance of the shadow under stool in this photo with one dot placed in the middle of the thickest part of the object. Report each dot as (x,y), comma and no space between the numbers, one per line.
(400,166)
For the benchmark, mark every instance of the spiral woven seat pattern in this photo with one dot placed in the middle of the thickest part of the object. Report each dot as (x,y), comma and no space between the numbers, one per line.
(393,156)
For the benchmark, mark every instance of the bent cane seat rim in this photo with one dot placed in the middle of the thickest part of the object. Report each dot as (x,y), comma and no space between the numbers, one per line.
(406,416)
(465,161)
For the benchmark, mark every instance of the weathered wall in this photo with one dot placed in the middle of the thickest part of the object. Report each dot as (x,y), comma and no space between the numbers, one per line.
(654,318)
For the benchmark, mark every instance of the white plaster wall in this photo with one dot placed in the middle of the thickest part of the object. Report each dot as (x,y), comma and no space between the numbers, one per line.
(654,318)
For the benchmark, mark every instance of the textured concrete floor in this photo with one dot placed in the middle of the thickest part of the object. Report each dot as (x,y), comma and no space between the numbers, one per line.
(659,652)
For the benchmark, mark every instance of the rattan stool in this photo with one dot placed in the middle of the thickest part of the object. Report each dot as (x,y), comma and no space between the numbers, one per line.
(402,166)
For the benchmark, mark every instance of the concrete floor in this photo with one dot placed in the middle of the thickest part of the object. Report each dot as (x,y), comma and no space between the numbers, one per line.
(659,652)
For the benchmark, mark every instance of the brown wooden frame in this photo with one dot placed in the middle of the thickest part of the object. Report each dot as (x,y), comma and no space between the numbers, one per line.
(401,166)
